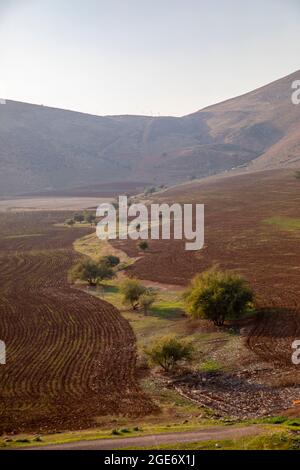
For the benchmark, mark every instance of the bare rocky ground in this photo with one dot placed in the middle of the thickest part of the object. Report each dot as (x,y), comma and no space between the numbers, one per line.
(236,396)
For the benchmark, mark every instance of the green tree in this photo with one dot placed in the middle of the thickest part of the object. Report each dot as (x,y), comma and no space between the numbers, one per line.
(91,272)
(132,290)
(70,222)
(143,245)
(146,300)
(167,351)
(78,217)
(89,218)
(104,271)
(111,260)
(218,296)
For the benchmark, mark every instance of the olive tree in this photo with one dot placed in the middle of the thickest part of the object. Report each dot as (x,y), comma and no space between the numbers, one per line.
(167,351)
(89,218)
(69,222)
(146,300)
(91,272)
(78,217)
(218,296)
(111,260)
(143,245)
(132,291)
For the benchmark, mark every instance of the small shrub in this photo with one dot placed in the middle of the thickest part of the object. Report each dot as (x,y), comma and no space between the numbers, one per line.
(111,260)
(78,217)
(146,300)
(293,422)
(123,266)
(210,366)
(167,351)
(69,222)
(132,290)
(89,218)
(143,245)
(275,420)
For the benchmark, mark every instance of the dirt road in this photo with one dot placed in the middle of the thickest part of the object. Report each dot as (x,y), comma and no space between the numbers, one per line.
(156,440)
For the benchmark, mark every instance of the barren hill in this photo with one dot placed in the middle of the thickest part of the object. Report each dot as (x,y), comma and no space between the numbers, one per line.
(44,148)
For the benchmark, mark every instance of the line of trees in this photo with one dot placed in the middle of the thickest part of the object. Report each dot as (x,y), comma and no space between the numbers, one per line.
(87,217)
(214,295)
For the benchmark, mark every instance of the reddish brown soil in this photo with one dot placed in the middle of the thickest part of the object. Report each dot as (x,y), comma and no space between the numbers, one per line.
(237,238)
(235,235)
(70,357)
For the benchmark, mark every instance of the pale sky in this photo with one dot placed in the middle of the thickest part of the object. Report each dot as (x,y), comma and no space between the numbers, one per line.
(154,57)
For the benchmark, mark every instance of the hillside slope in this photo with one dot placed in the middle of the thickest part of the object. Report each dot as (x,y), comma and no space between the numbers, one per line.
(46,148)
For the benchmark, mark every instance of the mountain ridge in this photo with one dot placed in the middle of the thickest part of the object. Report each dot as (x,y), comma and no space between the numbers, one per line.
(50,148)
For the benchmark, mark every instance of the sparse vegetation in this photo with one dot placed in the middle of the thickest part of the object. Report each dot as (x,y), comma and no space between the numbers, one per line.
(143,245)
(218,296)
(210,366)
(69,222)
(149,191)
(167,351)
(147,299)
(284,223)
(111,260)
(215,349)
(92,272)
(268,441)
(78,217)
(297,175)
(89,218)
(132,290)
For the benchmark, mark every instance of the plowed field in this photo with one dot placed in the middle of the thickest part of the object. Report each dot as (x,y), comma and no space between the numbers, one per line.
(70,357)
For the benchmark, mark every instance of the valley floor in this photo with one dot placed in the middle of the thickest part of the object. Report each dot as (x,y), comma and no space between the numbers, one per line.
(240,373)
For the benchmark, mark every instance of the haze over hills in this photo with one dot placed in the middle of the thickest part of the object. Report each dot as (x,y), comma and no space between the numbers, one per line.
(44,148)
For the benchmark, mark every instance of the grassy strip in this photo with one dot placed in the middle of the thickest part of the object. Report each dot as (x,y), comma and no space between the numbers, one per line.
(280,440)
(280,435)
(285,223)
(144,429)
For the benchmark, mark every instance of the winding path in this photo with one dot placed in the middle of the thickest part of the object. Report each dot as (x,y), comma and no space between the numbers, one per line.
(156,440)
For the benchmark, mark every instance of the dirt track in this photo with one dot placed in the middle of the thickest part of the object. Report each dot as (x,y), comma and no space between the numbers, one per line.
(70,357)
(155,440)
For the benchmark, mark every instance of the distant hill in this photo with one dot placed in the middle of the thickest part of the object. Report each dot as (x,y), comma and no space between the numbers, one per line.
(44,148)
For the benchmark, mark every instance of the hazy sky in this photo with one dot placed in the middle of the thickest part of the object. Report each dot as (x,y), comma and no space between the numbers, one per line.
(144,56)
